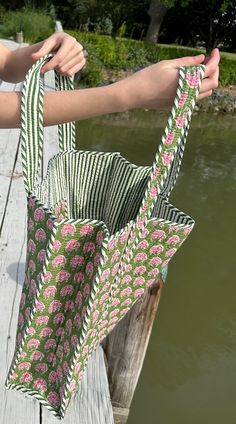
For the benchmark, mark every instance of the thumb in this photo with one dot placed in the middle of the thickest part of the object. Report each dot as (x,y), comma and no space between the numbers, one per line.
(46,48)
(189,60)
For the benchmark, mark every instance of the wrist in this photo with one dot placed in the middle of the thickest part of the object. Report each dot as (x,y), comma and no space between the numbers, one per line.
(122,96)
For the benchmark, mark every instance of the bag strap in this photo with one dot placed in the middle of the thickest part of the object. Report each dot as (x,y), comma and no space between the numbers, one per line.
(66,131)
(167,161)
(163,176)
(32,122)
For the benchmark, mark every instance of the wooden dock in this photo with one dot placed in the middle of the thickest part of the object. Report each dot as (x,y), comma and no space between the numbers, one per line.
(92,403)
(106,390)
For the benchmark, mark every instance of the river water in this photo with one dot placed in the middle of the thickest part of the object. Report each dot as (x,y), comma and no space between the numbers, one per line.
(189,373)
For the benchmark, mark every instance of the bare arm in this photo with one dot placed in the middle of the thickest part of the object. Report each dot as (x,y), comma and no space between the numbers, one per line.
(65,106)
(15,63)
(153,87)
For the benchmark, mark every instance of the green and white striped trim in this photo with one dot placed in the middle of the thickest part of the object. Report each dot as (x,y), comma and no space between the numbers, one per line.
(160,181)
(32,123)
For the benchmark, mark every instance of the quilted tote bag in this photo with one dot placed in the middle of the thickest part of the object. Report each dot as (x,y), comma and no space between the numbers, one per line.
(100,230)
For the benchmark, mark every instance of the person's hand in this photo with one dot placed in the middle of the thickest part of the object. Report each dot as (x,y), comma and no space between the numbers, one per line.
(154,87)
(68,56)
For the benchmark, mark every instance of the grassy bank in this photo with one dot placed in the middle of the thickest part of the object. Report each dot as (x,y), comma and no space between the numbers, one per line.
(110,59)
(36,24)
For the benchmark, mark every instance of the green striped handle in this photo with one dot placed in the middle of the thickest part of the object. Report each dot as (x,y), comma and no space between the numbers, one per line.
(32,122)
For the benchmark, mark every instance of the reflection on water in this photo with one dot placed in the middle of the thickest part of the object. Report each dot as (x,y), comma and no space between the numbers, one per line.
(189,374)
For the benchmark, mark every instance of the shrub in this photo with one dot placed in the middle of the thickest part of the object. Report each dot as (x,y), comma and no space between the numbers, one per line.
(93,74)
(103,25)
(36,25)
(227,71)
(127,54)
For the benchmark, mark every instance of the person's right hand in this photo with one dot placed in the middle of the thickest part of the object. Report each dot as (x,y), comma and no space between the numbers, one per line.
(154,87)
(68,56)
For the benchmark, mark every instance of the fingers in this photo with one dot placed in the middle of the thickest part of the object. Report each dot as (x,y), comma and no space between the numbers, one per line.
(64,50)
(68,54)
(75,69)
(211,82)
(72,67)
(189,60)
(211,77)
(47,47)
(212,62)
(75,52)
(205,94)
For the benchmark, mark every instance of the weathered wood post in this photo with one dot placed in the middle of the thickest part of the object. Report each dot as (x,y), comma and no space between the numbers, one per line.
(19,37)
(125,348)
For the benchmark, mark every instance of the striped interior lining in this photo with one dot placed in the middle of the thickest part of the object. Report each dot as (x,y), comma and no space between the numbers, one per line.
(164,210)
(101,186)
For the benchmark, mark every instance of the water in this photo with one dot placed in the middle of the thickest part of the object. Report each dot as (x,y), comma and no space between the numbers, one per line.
(189,373)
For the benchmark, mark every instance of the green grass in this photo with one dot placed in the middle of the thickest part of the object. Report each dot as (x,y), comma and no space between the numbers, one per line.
(231,56)
(35,24)
(200,50)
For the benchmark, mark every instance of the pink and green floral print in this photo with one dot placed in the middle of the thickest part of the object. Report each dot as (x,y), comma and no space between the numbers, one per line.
(99,241)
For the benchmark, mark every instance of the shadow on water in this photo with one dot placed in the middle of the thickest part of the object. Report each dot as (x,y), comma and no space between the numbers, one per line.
(189,374)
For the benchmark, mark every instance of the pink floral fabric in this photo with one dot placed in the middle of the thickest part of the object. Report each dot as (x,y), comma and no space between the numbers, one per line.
(81,281)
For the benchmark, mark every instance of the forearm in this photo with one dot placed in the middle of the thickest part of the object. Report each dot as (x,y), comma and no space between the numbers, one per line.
(66,106)
(18,62)
(153,87)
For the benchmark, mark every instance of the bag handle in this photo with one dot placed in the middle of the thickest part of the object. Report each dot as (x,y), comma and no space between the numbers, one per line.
(66,131)
(171,148)
(32,122)
(173,140)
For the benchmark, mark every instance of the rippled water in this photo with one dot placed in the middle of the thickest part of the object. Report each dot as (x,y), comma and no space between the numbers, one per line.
(189,373)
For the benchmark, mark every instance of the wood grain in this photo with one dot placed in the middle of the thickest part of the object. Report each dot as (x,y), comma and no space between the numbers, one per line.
(91,404)
(125,349)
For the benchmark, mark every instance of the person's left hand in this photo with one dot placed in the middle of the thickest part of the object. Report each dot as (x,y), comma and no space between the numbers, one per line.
(154,87)
(68,54)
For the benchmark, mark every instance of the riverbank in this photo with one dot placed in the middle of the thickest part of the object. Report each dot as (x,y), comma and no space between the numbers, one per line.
(223,99)
(111,59)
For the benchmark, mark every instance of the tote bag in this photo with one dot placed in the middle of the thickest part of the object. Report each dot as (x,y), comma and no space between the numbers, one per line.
(100,230)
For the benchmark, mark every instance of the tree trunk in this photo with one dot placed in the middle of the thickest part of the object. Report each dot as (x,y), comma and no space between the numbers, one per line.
(157,13)
(125,348)
(209,40)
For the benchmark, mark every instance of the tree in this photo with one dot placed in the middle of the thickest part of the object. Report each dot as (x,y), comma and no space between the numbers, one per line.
(209,24)
(74,12)
(119,11)
(217,22)
(157,11)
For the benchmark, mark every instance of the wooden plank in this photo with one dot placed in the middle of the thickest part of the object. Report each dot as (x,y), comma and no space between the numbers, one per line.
(11,44)
(58,26)
(125,348)
(14,406)
(91,403)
